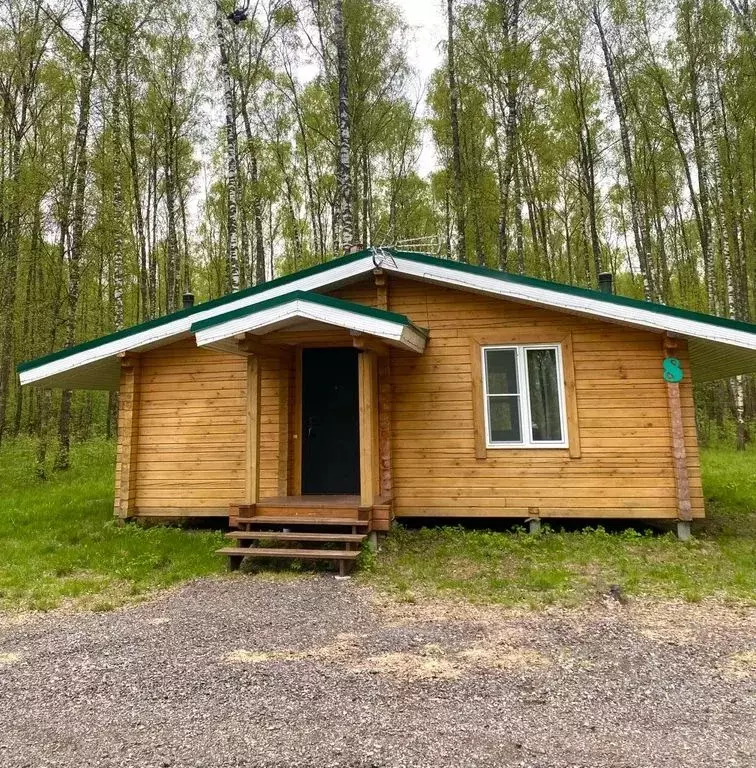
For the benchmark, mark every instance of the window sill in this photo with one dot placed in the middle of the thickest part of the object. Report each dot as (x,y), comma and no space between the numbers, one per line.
(523,447)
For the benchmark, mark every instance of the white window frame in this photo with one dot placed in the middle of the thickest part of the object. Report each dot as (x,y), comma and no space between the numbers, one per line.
(526,425)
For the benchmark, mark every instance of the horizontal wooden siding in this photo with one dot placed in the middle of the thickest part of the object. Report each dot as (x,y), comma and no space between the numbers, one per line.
(625,466)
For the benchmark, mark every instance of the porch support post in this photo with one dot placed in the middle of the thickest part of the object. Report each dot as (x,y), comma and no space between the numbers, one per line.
(368,397)
(386,482)
(253,430)
(679,453)
(128,436)
(284,413)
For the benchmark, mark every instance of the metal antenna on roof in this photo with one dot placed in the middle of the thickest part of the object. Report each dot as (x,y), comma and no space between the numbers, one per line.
(381,256)
(425,244)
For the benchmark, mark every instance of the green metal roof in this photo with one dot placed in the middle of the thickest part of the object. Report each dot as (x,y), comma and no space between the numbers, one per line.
(158,321)
(462,268)
(573,290)
(315,298)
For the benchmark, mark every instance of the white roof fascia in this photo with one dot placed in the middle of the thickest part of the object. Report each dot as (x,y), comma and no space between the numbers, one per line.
(584,305)
(301,309)
(182,325)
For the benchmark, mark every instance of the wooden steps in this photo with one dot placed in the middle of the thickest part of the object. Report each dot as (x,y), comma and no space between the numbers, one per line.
(356,538)
(269,510)
(294,553)
(302,520)
(328,529)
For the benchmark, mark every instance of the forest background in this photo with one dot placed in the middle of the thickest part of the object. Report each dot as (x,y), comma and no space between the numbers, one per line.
(154,148)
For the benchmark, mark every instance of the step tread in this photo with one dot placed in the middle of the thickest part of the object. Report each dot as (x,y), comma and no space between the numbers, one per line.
(289,536)
(300,520)
(303,554)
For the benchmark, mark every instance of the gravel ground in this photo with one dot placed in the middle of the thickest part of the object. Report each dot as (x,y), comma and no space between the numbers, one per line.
(317,672)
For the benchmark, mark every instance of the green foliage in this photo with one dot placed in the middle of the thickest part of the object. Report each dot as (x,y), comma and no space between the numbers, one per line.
(553,199)
(60,544)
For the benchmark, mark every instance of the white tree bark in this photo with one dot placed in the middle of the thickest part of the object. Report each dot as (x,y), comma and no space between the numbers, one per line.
(344,171)
(459,202)
(639,233)
(231,153)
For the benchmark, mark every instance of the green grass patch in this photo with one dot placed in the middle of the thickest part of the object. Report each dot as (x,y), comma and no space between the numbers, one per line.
(569,568)
(59,542)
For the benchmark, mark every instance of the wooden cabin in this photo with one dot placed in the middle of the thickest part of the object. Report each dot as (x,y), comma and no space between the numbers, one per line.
(388,384)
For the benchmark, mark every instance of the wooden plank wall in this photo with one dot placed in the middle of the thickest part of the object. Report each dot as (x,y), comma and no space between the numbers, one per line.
(191,446)
(191,427)
(272,460)
(625,467)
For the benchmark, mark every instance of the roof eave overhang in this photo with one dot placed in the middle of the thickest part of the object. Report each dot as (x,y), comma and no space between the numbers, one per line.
(585,305)
(705,337)
(56,372)
(718,350)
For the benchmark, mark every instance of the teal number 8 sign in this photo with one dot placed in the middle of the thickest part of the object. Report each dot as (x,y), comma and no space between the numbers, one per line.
(672,370)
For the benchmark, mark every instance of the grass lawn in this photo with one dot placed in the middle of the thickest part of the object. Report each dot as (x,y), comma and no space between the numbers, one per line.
(59,542)
(515,568)
(60,545)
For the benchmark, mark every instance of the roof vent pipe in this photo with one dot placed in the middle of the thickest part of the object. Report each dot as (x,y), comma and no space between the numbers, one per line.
(188,300)
(606,282)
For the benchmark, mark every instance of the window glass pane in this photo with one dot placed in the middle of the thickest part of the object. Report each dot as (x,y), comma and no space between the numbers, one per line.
(504,419)
(501,370)
(544,395)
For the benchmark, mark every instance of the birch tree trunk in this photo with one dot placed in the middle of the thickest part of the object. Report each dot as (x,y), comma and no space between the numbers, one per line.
(344,170)
(86,75)
(231,154)
(254,182)
(10,276)
(172,267)
(510,23)
(640,236)
(459,203)
(17,117)
(141,241)
(119,213)
(517,206)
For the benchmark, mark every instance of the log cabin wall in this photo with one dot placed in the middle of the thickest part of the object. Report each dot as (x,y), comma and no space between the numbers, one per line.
(191,437)
(188,440)
(625,468)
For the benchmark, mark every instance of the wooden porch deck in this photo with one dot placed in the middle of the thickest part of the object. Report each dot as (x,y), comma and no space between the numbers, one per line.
(311,501)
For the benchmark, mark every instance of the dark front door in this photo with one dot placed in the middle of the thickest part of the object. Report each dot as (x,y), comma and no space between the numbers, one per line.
(330,421)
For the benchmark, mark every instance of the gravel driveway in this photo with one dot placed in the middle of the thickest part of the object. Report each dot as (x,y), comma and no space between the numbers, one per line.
(317,672)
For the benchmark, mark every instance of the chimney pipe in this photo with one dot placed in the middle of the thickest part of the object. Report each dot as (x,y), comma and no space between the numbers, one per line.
(606,282)
(188,300)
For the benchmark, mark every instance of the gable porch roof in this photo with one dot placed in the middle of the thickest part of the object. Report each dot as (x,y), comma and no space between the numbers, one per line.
(298,306)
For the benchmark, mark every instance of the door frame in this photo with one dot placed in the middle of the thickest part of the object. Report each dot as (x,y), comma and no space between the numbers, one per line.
(367,388)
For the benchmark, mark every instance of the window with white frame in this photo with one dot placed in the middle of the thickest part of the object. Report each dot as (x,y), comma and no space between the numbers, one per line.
(523,388)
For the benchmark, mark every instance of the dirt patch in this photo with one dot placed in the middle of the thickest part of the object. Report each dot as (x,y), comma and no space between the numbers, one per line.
(504,658)
(411,666)
(684,624)
(741,665)
(344,646)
